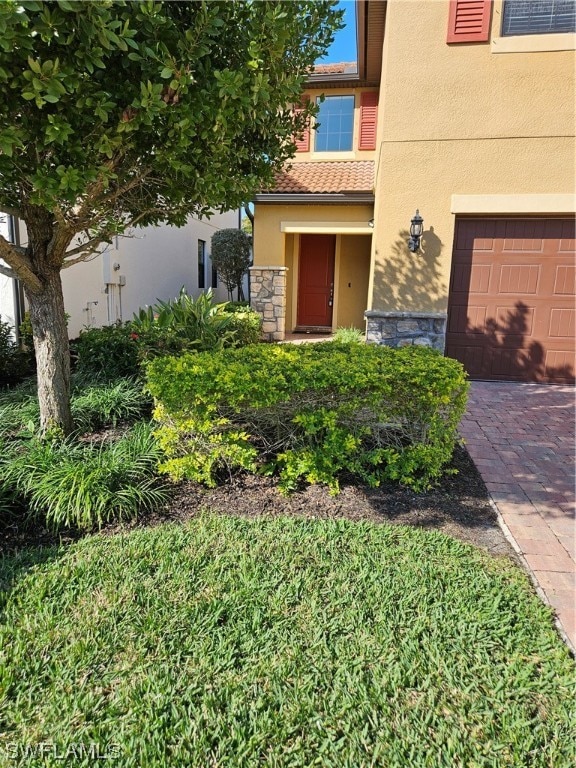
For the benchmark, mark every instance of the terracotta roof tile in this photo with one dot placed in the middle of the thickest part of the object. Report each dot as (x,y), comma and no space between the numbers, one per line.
(328,177)
(343,67)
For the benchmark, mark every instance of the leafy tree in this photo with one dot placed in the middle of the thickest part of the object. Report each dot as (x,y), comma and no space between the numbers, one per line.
(115,114)
(231,256)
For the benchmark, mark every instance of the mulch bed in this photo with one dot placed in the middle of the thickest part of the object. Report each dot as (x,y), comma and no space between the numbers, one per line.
(458,506)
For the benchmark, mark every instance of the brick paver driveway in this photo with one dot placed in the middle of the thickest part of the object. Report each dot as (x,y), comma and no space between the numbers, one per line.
(521,438)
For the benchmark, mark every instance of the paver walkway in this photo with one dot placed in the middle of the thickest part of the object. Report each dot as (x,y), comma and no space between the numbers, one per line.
(521,438)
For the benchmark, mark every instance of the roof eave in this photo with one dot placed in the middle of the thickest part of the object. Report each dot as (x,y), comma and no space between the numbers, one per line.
(318,198)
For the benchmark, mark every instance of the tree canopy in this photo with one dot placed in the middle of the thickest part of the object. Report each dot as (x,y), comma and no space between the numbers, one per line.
(115,114)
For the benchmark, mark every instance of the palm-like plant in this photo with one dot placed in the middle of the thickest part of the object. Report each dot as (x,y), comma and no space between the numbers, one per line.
(199,323)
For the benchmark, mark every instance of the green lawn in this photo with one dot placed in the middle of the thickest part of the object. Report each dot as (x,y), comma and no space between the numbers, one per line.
(229,642)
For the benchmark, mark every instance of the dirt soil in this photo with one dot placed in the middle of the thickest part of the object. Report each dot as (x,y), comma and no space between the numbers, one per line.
(458,506)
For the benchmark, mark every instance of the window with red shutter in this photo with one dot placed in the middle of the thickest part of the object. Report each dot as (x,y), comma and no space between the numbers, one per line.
(368,117)
(303,142)
(469,21)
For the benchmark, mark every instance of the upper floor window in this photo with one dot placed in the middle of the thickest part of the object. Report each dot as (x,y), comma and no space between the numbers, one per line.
(336,124)
(538,17)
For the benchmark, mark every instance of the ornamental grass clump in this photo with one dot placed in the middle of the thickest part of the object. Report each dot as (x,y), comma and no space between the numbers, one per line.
(309,413)
(67,483)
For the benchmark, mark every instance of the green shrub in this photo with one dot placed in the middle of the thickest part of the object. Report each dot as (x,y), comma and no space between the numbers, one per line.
(246,325)
(110,352)
(309,412)
(349,336)
(231,257)
(69,483)
(15,363)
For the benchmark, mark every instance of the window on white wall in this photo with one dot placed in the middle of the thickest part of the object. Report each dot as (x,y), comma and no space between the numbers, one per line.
(538,17)
(214,282)
(201,264)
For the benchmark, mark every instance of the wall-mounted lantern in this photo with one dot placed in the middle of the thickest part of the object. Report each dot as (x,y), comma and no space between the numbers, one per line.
(371,223)
(416,229)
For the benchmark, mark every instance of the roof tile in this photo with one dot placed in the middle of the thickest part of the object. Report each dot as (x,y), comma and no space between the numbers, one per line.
(326,177)
(343,67)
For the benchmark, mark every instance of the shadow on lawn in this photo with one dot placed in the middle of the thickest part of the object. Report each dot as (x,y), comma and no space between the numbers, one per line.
(16,564)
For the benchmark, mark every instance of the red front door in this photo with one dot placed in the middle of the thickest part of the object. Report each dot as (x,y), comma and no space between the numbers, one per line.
(316,281)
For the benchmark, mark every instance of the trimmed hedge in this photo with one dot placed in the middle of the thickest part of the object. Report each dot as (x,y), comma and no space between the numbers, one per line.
(309,412)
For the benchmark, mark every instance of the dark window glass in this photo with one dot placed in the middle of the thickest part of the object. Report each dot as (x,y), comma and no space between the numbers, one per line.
(214,277)
(336,124)
(201,264)
(538,17)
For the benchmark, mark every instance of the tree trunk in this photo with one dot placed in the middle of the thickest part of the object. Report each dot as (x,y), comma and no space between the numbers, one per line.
(50,334)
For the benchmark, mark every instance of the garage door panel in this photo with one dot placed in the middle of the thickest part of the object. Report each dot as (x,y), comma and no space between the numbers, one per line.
(560,363)
(470,317)
(511,307)
(565,282)
(513,325)
(562,325)
(519,278)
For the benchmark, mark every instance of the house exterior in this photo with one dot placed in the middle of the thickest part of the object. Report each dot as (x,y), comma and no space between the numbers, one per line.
(474,127)
(151,263)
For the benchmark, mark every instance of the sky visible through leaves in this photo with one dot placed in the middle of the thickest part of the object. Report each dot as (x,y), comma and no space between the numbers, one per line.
(344,46)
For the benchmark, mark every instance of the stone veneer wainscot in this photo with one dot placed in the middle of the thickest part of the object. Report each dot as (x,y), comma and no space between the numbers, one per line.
(403,329)
(268,298)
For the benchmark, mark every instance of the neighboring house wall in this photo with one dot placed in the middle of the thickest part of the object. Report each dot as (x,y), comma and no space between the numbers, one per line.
(154,263)
(8,313)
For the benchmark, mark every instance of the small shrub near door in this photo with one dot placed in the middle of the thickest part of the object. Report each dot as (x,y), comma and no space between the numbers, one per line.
(309,413)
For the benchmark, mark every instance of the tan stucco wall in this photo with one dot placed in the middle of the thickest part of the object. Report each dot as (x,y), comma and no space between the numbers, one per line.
(352,273)
(458,120)
(269,240)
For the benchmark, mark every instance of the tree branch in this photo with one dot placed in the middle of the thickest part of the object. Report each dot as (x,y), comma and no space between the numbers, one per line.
(16,258)
(84,248)
(85,257)
(8,272)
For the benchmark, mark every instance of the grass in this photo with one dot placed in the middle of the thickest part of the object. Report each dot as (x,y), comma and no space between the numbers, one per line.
(233,643)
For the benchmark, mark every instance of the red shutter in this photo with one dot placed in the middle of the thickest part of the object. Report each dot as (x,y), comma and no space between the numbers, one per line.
(469,21)
(368,117)
(303,143)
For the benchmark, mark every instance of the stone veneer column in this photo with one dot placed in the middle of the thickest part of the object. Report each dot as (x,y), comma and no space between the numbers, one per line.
(403,329)
(268,298)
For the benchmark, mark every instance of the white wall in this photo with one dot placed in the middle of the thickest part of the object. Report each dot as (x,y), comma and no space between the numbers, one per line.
(7,305)
(154,263)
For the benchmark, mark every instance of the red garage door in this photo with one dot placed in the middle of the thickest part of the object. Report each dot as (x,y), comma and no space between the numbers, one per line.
(511,311)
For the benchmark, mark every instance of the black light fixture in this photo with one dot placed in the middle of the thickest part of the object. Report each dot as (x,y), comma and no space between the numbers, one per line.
(416,229)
